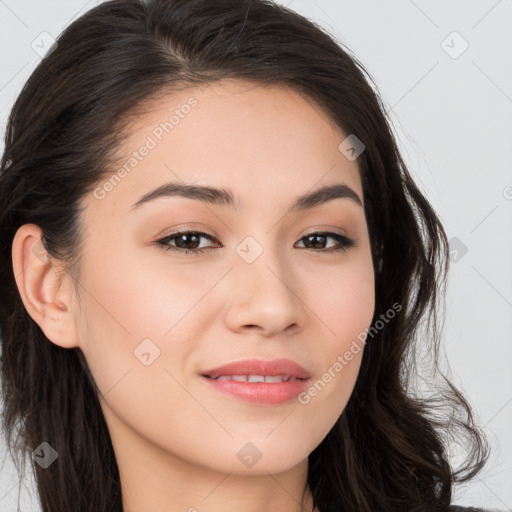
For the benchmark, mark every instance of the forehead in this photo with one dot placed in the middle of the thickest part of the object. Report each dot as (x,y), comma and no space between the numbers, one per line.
(239,135)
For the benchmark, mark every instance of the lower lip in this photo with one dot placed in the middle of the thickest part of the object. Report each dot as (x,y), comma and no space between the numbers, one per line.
(267,393)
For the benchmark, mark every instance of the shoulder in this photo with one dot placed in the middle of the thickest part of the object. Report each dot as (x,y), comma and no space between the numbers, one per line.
(458,508)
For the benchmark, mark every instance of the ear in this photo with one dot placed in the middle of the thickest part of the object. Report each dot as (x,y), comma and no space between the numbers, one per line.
(45,288)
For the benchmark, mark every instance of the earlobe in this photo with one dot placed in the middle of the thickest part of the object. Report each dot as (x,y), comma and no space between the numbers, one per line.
(46,293)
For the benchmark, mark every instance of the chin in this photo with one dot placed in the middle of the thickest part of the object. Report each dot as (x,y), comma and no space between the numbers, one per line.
(260,457)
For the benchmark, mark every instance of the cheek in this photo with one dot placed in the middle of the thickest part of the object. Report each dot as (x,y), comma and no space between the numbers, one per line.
(342,298)
(141,299)
(126,303)
(136,331)
(344,303)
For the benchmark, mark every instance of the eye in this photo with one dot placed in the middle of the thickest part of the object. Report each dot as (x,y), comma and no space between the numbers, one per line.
(344,243)
(189,242)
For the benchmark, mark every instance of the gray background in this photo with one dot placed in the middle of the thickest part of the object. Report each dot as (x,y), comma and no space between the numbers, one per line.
(452,113)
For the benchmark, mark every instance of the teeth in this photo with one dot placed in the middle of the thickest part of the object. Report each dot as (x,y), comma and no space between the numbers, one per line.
(274,378)
(257,378)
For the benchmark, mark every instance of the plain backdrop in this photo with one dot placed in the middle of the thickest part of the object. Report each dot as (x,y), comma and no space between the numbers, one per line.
(443,70)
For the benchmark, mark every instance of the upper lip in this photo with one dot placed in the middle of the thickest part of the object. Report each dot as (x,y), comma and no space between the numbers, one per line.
(259,367)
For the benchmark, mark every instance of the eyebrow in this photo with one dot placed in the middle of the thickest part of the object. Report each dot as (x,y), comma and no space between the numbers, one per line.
(224,197)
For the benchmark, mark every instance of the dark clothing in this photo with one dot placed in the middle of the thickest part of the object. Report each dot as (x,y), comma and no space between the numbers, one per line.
(457,508)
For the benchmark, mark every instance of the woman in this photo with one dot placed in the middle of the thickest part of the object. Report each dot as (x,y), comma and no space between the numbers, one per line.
(215,266)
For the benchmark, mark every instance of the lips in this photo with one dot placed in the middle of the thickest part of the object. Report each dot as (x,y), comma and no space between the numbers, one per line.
(257,381)
(254,369)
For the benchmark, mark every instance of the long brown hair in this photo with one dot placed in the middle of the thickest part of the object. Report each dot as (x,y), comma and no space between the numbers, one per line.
(387,451)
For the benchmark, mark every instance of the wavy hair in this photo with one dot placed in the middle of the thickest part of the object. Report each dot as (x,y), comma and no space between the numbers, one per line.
(388,450)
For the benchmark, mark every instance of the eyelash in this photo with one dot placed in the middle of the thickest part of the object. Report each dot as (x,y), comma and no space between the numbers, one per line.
(345,242)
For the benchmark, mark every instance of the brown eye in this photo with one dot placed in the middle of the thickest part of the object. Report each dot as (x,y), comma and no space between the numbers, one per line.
(187,242)
(317,241)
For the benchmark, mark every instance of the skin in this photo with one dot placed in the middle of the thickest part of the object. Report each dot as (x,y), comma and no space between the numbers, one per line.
(176,440)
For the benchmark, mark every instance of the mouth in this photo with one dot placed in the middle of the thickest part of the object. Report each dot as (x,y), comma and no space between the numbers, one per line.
(258,381)
(256,378)
(259,370)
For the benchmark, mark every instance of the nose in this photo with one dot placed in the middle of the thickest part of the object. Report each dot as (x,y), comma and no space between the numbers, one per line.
(265,297)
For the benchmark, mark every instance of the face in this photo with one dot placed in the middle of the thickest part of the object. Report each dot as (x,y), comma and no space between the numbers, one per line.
(174,286)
